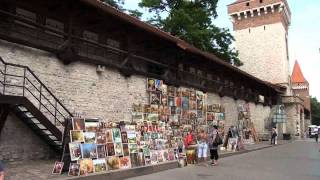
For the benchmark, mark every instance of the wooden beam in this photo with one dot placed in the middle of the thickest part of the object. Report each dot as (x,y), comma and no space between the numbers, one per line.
(5,109)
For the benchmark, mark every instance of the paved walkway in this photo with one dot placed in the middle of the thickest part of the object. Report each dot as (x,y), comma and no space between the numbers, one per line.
(40,170)
(299,160)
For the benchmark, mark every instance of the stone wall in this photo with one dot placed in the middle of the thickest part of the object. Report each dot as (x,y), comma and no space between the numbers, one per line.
(107,95)
(18,142)
(259,113)
(264,53)
(293,117)
(260,117)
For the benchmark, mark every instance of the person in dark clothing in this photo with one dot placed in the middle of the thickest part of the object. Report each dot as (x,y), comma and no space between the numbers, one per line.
(214,156)
(317,136)
(273,136)
(1,171)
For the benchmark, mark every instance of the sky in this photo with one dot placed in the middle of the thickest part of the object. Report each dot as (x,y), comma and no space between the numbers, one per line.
(304,36)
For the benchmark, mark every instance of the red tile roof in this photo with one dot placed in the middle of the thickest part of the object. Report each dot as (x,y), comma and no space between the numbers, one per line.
(297,76)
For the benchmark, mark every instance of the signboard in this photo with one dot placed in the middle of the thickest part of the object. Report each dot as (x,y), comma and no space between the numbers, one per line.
(279,116)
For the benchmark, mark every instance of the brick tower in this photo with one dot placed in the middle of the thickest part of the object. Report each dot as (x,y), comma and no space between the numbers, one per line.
(261,34)
(300,87)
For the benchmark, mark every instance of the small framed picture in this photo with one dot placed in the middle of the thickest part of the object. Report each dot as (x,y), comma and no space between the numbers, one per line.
(57,169)
(92,124)
(74,169)
(109,135)
(100,165)
(75,151)
(155,97)
(116,135)
(88,150)
(125,162)
(118,149)
(78,124)
(86,166)
(89,137)
(124,137)
(110,149)
(113,162)
(101,150)
(77,136)
(151,84)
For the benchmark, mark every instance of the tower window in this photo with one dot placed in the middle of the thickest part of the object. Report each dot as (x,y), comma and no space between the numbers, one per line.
(264,27)
(249,30)
(261,1)
(247,4)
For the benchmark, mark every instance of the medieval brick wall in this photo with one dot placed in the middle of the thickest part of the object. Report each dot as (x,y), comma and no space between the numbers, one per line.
(107,95)
(259,113)
(18,142)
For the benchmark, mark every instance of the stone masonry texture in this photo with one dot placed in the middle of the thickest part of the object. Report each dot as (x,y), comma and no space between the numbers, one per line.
(107,95)
(19,143)
(264,53)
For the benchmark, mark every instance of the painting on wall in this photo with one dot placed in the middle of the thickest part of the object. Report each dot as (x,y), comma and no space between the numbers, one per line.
(125,162)
(86,166)
(116,134)
(92,125)
(99,165)
(88,150)
(89,137)
(113,162)
(76,136)
(101,150)
(78,124)
(75,151)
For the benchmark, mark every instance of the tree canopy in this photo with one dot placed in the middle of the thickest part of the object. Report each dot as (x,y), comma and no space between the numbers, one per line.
(190,20)
(315,111)
(118,4)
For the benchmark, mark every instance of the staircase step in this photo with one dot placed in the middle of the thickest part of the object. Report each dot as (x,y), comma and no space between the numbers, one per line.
(22,108)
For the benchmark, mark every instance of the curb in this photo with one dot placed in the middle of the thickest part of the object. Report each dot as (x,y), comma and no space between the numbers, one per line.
(252,150)
(128,173)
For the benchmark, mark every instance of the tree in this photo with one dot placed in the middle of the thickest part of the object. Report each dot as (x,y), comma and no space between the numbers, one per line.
(191,20)
(115,3)
(315,111)
(118,4)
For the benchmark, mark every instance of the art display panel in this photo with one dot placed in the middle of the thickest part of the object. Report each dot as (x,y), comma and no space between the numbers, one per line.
(149,138)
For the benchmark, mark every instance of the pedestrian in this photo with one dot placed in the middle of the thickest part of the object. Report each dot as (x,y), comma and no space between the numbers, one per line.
(188,140)
(273,136)
(214,142)
(1,171)
(202,147)
(317,135)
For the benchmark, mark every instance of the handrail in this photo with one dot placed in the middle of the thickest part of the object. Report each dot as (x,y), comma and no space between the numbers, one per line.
(52,101)
(42,84)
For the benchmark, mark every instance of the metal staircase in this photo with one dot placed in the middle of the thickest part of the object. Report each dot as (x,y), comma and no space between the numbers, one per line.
(33,103)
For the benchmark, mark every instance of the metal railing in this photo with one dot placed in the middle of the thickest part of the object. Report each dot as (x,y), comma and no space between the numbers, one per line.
(18,80)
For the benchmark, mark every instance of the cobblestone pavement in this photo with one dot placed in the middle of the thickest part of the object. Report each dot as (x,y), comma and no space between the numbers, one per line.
(40,170)
(294,161)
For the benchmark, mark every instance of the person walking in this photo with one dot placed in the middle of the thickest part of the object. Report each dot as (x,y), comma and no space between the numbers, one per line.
(214,142)
(202,147)
(1,171)
(273,136)
(317,135)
